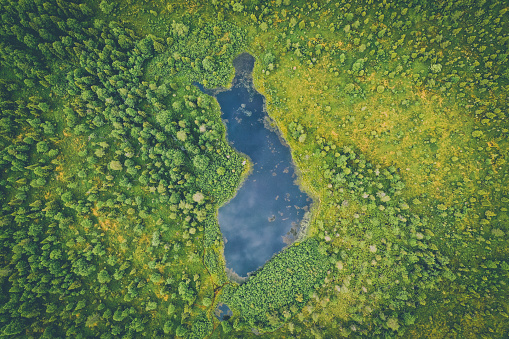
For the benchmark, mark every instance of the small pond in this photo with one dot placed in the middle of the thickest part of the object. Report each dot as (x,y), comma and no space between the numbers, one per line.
(223,312)
(266,211)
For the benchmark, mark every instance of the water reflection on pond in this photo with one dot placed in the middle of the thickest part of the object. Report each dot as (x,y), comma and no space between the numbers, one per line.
(223,312)
(269,203)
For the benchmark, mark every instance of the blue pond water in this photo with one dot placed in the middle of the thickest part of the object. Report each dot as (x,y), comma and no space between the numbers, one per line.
(269,203)
(223,312)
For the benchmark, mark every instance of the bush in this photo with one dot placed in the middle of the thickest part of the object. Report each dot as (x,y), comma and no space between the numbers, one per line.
(42,147)
(349,88)
(106,6)
(151,305)
(103,277)
(201,162)
(201,328)
(115,165)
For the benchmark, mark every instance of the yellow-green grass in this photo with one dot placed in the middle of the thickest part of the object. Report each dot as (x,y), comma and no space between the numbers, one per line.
(430,142)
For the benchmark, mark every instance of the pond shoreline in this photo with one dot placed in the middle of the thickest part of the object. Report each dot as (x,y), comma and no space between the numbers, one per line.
(269,197)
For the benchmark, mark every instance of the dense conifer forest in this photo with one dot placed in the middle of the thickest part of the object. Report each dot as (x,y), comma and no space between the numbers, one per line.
(113,165)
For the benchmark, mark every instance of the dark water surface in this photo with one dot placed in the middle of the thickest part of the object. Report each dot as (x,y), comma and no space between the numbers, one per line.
(269,203)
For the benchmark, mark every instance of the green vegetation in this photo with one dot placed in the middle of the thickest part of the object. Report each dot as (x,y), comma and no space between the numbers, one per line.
(113,166)
(280,289)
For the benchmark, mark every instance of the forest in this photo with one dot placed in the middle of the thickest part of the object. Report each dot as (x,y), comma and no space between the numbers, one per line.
(113,165)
